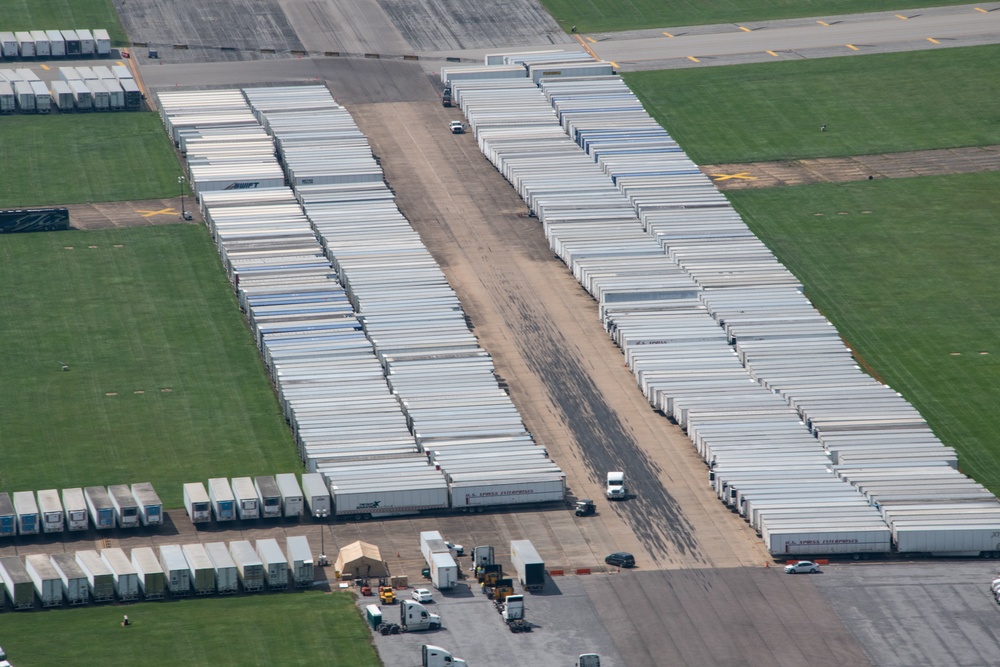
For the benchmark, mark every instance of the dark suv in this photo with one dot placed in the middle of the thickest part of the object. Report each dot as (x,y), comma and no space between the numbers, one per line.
(620,559)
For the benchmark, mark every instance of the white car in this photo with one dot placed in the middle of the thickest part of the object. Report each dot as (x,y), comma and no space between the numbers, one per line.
(457,548)
(422,595)
(802,566)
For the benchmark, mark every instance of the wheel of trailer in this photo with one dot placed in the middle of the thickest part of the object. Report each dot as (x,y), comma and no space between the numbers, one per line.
(394,630)
(527,628)
(383,629)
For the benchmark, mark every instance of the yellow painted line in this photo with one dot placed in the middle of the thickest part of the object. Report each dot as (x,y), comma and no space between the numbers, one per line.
(823,23)
(980,9)
(932,40)
(586,47)
(614,64)
(45,67)
(852,47)
(120,63)
(772,53)
(668,34)
(591,40)
(162,211)
(744,28)
(693,59)
(900,16)
(743,176)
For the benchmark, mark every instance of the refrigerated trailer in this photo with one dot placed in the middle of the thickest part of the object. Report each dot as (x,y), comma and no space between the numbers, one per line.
(45,578)
(175,570)
(88,46)
(275,564)
(25,96)
(300,561)
(102,42)
(126,509)
(27,513)
(20,589)
(72,41)
(123,573)
(74,580)
(247,502)
(42,47)
(133,95)
(291,494)
(8,45)
(197,503)
(223,501)
(8,102)
(152,580)
(75,506)
(316,494)
(444,571)
(148,502)
(100,580)
(43,98)
(269,496)
(102,512)
(226,576)
(25,44)
(528,564)
(249,566)
(51,508)
(201,568)
(8,517)
(57,44)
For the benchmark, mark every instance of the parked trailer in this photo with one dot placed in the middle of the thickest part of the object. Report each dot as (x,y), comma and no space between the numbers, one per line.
(25,44)
(939,539)
(82,96)
(226,575)
(126,508)
(45,578)
(52,516)
(100,94)
(300,561)
(100,580)
(316,495)
(444,571)
(125,576)
(102,43)
(197,503)
(148,503)
(43,98)
(116,94)
(247,502)
(8,45)
(74,580)
(133,95)
(291,494)
(20,589)
(529,565)
(27,513)
(269,496)
(223,501)
(42,47)
(152,579)
(72,40)
(102,511)
(88,46)
(75,506)
(57,44)
(25,96)
(8,517)
(8,101)
(275,564)
(202,570)
(175,570)
(249,566)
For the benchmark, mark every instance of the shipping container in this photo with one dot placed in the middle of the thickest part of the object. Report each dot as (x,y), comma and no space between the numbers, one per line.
(27,513)
(291,494)
(152,580)
(52,515)
(48,585)
(249,566)
(57,44)
(102,43)
(149,504)
(247,502)
(316,495)
(300,561)
(175,570)
(201,567)
(226,576)
(275,564)
(197,503)
(75,506)
(100,579)
(102,511)
(125,576)
(88,46)
(41,39)
(75,587)
(8,517)
(126,507)
(223,501)
(528,564)
(20,589)
(72,40)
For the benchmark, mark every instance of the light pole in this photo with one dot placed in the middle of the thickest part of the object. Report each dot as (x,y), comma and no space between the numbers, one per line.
(321,515)
(180,183)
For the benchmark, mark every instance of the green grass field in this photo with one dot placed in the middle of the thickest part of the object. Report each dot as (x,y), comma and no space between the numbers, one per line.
(307,628)
(607,16)
(165,382)
(907,270)
(62,15)
(879,103)
(73,159)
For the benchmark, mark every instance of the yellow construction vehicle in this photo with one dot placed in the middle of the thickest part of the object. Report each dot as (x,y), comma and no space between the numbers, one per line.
(502,589)
(386,595)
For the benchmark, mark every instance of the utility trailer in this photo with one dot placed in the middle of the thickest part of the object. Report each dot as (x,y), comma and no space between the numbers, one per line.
(149,504)
(201,568)
(126,508)
(20,589)
(197,502)
(45,578)
(528,564)
(100,579)
(316,495)
(269,496)
(275,564)
(175,570)
(8,517)
(123,573)
(223,501)
(300,561)
(226,576)
(291,494)
(74,580)
(248,565)
(27,513)
(102,511)
(152,579)
(75,506)
(52,515)
(247,502)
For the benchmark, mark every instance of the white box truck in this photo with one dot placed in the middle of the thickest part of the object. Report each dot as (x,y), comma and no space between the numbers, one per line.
(75,506)
(100,580)
(152,579)
(300,561)
(316,495)
(275,564)
(226,576)
(291,494)
(51,508)
(102,512)
(223,501)
(197,503)
(247,502)
(27,513)
(126,509)
(202,570)
(149,503)
(248,565)
(123,573)
(175,570)
(48,585)
(74,580)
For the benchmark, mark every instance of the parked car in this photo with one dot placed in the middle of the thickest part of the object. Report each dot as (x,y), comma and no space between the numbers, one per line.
(422,595)
(457,548)
(620,559)
(585,507)
(802,566)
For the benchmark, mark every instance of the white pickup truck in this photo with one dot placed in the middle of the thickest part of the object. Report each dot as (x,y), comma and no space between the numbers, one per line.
(457,127)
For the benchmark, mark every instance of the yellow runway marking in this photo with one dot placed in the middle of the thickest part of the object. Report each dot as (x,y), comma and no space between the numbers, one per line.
(772,53)
(900,16)
(823,23)
(852,47)
(591,40)
(743,176)
(932,40)
(586,47)
(980,9)
(744,28)
(45,67)
(693,59)
(120,63)
(150,214)
(668,34)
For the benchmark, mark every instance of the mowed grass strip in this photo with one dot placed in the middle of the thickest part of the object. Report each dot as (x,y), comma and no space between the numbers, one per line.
(303,628)
(610,16)
(62,15)
(80,158)
(907,271)
(164,383)
(877,104)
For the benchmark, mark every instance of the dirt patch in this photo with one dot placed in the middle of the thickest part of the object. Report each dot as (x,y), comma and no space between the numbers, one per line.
(142,213)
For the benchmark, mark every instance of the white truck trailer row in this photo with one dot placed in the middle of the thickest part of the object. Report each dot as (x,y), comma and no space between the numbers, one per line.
(55,43)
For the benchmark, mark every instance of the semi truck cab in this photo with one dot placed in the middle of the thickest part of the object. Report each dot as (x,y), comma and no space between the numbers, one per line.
(616,486)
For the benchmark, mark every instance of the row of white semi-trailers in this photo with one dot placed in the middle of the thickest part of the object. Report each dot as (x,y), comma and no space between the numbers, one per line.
(149,573)
(104,508)
(54,43)
(78,89)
